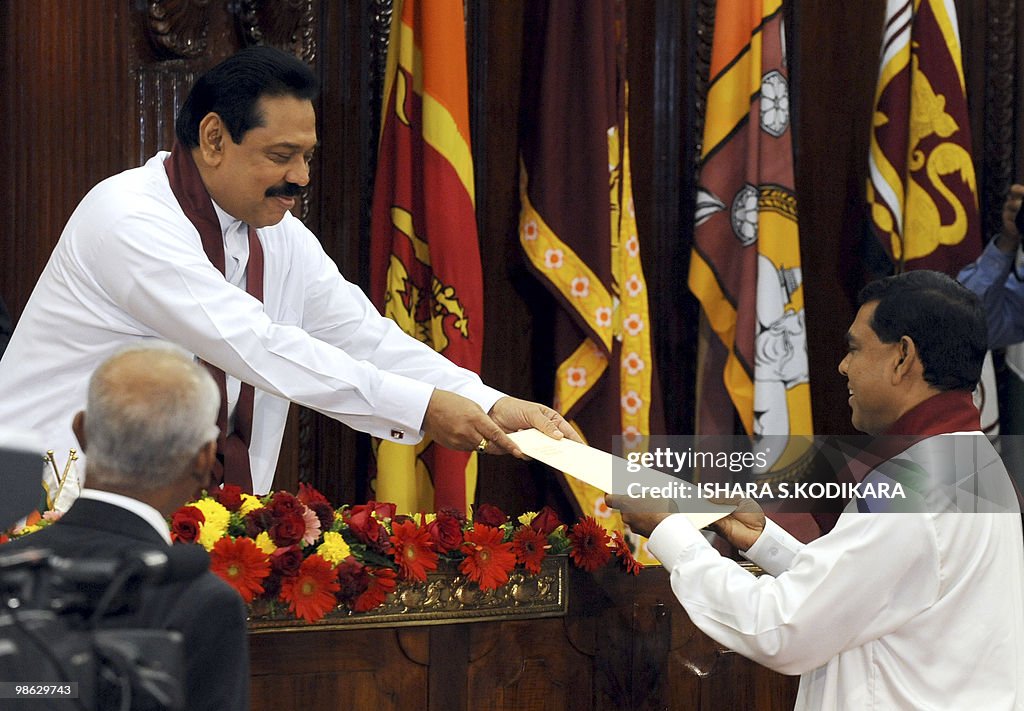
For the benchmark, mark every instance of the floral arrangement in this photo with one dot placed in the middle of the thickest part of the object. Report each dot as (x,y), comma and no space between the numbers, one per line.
(299,552)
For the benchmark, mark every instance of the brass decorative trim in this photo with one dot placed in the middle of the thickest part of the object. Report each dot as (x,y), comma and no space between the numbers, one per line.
(447,597)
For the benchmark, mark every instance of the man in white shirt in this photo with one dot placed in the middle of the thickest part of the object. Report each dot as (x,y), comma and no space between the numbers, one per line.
(199,247)
(920,610)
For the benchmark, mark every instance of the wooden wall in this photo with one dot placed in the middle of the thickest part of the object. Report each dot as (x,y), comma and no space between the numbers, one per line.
(91,88)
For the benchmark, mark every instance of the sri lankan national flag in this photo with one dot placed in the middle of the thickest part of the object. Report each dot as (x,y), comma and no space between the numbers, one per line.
(922,190)
(745,266)
(425,257)
(577,224)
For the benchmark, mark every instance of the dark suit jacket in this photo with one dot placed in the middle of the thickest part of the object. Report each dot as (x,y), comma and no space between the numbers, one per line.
(206,610)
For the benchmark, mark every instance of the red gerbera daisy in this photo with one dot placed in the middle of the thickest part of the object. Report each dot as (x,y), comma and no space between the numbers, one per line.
(530,548)
(241,565)
(631,564)
(381,582)
(310,594)
(414,552)
(488,561)
(589,544)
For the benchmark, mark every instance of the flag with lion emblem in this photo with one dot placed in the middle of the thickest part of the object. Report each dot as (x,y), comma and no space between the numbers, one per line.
(425,256)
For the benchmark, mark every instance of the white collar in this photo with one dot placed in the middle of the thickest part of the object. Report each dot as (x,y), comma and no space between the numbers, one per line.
(227,222)
(141,509)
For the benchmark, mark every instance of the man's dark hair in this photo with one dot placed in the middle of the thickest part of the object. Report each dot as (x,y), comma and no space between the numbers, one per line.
(943,318)
(232,89)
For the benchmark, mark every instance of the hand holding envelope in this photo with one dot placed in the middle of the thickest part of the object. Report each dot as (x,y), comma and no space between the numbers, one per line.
(609,473)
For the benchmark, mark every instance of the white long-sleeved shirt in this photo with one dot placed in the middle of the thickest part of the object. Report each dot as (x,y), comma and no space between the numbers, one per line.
(130,266)
(887,611)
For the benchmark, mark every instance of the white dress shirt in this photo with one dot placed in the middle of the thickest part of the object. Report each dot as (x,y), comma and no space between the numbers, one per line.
(130,266)
(887,611)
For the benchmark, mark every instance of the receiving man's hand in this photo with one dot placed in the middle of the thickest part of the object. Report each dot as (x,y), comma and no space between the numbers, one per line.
(744,525)
(741,528)
(641,515)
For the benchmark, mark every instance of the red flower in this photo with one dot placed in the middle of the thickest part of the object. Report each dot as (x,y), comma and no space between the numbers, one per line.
(283,503)
(366,527)
(286,561)
(309,496)
(489,515)
(353,580)
(380,582)
(545,521)
(229,496)
(185,524)
(4,538)
(382,509)
(529,546)
(625,556)
(446,532)
(488,561)
(258,521)
(413,551)
(310,594)
(324,512)
(241,565)
(287,529)
(589,544)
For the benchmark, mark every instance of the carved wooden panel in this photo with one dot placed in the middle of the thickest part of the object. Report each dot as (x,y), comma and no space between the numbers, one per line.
(998,146)
(285,24)
(178,28)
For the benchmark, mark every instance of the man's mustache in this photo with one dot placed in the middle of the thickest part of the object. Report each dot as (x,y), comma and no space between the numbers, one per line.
(284,190)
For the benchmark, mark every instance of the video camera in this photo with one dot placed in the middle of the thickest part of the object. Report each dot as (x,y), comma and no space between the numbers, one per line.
(68,620)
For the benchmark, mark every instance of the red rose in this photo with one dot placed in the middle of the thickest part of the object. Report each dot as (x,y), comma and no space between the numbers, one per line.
(360,519)
(258,521)
(283,503)
(545,521)
(458,514)
(185,524)
(382,509)
(353,580)
(229,496)
(489,515)
(309,496)
(446,533)
(286,561)
(287,529)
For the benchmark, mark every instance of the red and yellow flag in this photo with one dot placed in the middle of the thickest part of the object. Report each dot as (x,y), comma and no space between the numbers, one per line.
(425,256)
(922,189)
(745,266)
(577,224)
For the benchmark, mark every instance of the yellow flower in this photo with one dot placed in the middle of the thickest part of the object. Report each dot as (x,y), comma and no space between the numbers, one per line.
(429,518)
(334,548)
(249,503)
(265,543)
(216,524)
(527,517)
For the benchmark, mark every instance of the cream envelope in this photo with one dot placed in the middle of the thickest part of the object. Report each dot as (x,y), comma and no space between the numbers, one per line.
(608,473)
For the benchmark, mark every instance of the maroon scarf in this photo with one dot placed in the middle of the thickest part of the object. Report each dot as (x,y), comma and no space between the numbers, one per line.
(944,413)
(232,465)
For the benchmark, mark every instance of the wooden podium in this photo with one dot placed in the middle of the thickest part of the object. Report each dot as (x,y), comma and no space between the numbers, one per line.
(604,641)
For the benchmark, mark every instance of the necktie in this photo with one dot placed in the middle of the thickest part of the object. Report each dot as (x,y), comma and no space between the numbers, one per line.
(232,447)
